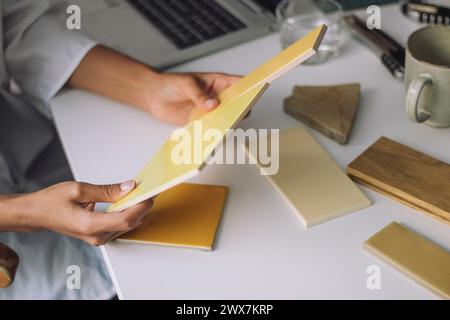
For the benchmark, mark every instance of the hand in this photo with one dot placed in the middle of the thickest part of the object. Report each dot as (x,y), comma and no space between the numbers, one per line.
(169,97)
(68,208)
(172,97)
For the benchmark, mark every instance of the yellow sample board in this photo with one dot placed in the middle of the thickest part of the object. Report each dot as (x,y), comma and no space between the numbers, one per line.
(162,173)
(187,215)
(274,68)
(413,255)
(309,181)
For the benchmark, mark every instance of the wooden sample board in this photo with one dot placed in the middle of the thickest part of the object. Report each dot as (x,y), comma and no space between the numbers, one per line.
(416,257)
(406,175)
(310,181)
(330,110)
(162,173)
(187,215)
(9,262)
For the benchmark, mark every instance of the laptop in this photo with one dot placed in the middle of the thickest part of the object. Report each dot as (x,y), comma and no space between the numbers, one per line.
(163,33)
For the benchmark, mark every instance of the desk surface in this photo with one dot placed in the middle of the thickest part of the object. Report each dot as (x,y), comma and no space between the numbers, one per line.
(262,250)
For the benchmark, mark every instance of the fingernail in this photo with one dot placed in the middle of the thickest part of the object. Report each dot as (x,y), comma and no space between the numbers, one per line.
(127,186)
(210,103)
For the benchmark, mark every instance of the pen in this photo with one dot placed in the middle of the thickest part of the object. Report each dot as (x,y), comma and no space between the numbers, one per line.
(391,53)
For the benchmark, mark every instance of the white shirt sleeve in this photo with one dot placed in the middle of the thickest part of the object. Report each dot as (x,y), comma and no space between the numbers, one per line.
(41,53)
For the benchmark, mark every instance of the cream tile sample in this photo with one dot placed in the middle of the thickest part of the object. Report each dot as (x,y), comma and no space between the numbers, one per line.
(413,255)
(310,181)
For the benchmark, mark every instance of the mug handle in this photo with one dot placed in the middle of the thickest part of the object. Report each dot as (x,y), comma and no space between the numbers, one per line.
(415,113)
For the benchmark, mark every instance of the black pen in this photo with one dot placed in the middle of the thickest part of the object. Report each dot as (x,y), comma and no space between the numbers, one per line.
(391,53)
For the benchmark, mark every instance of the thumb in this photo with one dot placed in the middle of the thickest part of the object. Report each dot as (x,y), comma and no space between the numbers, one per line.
(200,96)
(106,193)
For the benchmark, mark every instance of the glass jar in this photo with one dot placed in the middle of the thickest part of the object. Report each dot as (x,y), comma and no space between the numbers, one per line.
(298,17)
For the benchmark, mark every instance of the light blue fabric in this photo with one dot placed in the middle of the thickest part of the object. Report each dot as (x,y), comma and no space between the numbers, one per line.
(45,261)
(39,54)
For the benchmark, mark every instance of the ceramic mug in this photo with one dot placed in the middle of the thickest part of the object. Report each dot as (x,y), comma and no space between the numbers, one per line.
(427,76)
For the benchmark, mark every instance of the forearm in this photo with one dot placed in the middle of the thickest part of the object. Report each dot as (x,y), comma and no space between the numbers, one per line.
(111,74)
(14,214)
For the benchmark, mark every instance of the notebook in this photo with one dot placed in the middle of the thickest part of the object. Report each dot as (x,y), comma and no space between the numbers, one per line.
(414,256)
(309,181)
(162,173)
(187,215)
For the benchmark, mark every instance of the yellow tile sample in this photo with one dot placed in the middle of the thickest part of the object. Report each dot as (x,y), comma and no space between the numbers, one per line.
(413,255)
(187,215)
(310,181)
(274,68)
(161,173)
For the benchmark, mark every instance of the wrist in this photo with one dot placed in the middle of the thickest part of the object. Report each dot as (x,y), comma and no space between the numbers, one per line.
(149,81)
(16,213)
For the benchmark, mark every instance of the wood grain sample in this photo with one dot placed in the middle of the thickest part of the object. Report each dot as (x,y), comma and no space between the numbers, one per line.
(310,181)
(406,175)
(331,110)
(187,215)
(9,262)
(416,257)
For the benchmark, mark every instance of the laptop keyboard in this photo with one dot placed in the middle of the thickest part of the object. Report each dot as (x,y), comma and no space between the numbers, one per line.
(187,23)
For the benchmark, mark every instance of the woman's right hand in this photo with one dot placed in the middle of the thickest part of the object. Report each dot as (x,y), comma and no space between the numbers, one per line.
(69,208)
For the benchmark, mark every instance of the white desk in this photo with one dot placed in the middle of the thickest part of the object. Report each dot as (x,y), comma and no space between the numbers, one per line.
(262,250)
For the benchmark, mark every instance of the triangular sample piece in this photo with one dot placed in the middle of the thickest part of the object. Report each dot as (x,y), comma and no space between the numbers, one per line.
(273,69)
(187,215)
(309,180)
(331,110)
(406,175)
(413,255)
(162,172)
